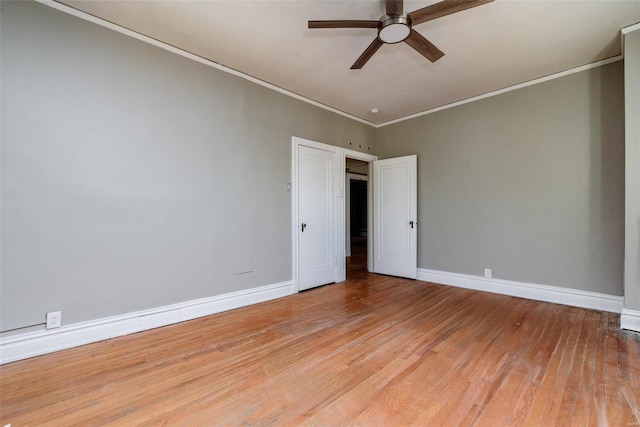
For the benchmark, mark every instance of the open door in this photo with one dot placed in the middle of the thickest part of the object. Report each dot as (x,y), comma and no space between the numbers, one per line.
(316,213)
(395,216)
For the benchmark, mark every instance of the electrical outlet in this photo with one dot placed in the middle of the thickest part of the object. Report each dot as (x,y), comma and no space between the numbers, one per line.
(54,319)
(487,273)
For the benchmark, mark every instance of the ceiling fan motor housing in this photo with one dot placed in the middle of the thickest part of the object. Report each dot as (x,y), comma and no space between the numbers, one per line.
(394,29)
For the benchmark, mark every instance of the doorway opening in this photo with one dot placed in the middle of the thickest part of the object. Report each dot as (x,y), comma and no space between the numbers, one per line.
(357,216)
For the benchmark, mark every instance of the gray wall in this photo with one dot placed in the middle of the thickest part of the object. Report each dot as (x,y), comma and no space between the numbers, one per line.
(632,188)
(130,175)
(529,183)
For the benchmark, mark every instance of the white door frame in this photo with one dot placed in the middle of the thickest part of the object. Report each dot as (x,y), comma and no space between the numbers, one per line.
(340,154)
(347,202)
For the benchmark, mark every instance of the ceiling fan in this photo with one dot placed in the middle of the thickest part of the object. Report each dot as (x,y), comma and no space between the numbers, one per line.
(395,27)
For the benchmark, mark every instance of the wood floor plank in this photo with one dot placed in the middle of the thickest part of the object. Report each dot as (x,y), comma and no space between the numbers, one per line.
(522,369)
(374,350)
(629,386)
(628,391)
(547,403)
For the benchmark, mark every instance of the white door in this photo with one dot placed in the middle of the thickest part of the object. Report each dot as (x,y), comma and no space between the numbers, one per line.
(395,216)
(316,205)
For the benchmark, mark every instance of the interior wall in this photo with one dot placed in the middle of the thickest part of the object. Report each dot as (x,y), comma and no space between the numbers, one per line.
(134,178)
(632,188)
(529,183)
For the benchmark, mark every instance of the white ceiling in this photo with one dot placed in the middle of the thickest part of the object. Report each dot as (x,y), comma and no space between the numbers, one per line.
(487,48)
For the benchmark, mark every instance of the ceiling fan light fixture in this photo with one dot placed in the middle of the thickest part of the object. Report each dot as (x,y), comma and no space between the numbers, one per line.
(394,30)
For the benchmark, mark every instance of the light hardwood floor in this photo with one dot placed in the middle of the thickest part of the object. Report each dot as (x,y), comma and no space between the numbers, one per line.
(374,351)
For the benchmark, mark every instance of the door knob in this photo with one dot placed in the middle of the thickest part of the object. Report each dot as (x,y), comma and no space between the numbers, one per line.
(303,226)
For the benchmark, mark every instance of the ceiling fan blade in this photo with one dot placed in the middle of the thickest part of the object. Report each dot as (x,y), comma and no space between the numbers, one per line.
(367,54)
(394,7)
(423,46)
(344,24)
(444,8)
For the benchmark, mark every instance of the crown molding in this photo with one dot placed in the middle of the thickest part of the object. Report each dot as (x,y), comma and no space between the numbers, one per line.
(122,30)
(505,90)
(110,25)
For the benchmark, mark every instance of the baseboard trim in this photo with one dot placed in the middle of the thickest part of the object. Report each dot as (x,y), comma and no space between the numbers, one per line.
(555,294)
(630,320)
(31,344)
